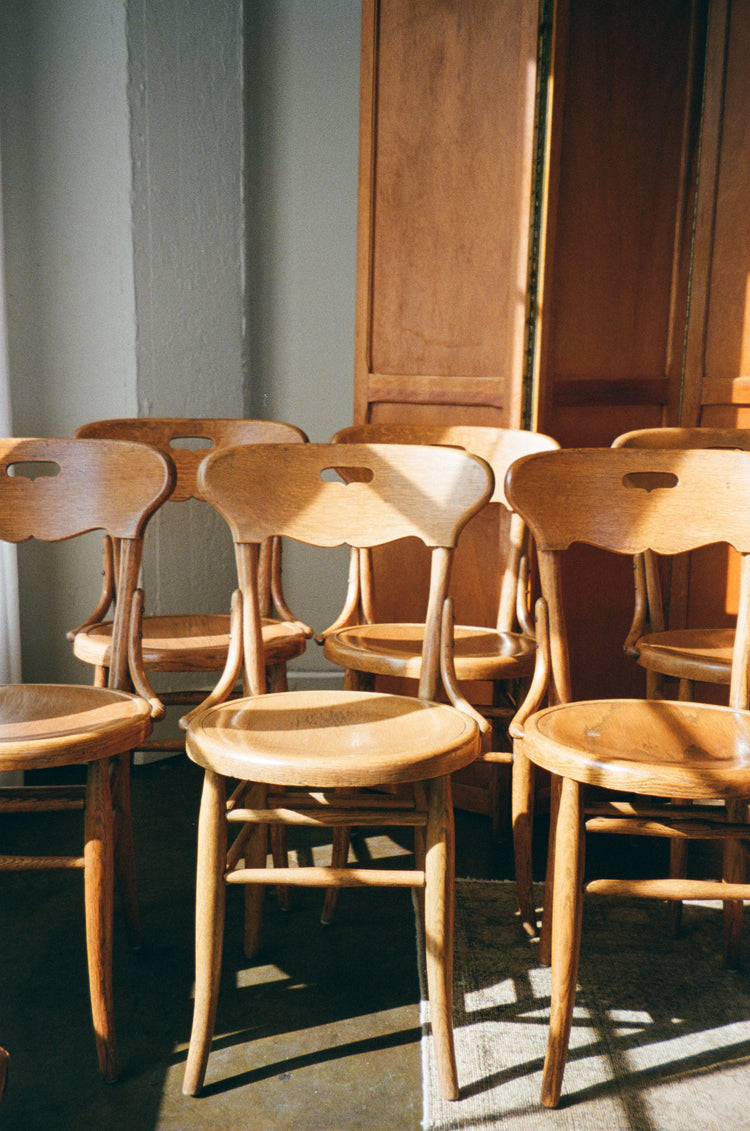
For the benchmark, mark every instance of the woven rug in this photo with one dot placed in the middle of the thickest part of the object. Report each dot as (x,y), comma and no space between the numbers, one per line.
(661,1032)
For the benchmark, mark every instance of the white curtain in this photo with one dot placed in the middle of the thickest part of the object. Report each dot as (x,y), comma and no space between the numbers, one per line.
(10,637)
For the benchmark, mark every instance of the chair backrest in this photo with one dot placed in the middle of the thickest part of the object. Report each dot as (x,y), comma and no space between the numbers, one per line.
(187,441)
(499,447)
(402,490)
(52,490)
(669,438)
(649,610)
(632,501)
(175,435)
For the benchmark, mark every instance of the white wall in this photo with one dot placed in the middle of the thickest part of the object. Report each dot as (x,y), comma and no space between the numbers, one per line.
(302,84)
(180,216)
(69,273)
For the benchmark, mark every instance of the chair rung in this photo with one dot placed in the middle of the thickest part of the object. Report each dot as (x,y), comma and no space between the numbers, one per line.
(51,798)
(681,830)
(349,816)
(38,863)
(164,744)
(497,757)
(671,812)
(670,889)
(328,877)
(499,711)
(303,799)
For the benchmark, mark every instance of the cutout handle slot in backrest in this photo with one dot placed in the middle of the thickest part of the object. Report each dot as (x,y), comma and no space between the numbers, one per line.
(650,480)
(347,474)
(192,443)
(34,469)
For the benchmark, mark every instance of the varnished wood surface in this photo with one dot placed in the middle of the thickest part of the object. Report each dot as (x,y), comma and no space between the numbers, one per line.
(341,738)
(174,435)
(631,501)
(189,642)
(78,487)
(686,750)
(485,582)
(697,654)
(50,490)
(43,725)
(601,498)
(436,493)
(395,649)
(443,221)
(193,641)
(345,740)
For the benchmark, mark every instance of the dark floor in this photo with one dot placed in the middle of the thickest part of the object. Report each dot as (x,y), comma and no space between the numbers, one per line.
(320,1032)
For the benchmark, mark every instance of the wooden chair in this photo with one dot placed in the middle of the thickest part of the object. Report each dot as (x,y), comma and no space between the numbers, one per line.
(193,642)
(301,757)
(53,490)
(689,655)
(631,501)
(502,654)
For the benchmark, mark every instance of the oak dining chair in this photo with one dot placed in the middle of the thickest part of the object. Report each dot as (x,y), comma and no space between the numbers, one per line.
(690,655)
(687,654)
(500,654)
(182,644)
(55,490)
(308,757)
(663,765)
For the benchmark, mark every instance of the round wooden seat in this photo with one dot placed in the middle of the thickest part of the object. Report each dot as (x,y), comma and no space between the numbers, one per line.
(646,746)
(43,725)
(396,649)
(190,642)
(333,738)
(703,655)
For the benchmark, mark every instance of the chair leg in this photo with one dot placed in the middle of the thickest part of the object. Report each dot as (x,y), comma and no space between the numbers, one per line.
(545,935)
(733,871)
(678,849)
(341,840)
(678,852)
(256,850)
(209,926)
(125,876)
(98,885)
(276,677)
(566,935)
(522,818)
(438,930)
(280,855)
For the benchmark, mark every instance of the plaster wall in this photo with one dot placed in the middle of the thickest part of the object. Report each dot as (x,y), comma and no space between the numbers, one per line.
(179,197)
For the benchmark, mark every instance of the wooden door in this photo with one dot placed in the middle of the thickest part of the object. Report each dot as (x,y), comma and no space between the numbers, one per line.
(624,133)
(532,249)
(445,196)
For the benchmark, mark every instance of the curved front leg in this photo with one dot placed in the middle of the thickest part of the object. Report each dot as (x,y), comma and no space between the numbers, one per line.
(209,926)
(567,909)
(438,930)
(98,883)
